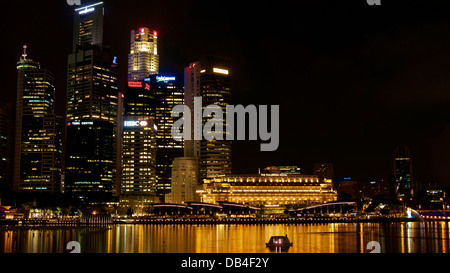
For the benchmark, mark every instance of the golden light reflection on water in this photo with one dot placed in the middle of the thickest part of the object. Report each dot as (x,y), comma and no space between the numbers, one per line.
(444,237)
(410,237)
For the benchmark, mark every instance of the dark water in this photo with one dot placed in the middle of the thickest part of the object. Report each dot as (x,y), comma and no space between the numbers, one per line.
(430,237)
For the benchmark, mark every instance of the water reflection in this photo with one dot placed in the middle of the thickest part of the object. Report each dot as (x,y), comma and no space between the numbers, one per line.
(412,237)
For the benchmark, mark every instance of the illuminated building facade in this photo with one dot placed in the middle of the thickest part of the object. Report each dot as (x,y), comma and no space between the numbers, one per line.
(92,104)
(135,103)
(153,98)
(92,88)
(138,100)
(138,183)
(210,79)
(89,161)
(6,145)
(168,91)
(88,25)
(403,172)
(184,181)
(143,59)
(267,189)
(138,162)
(38,134)
(139,132)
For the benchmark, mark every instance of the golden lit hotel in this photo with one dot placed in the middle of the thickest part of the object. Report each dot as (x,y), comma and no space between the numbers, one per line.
(268,189)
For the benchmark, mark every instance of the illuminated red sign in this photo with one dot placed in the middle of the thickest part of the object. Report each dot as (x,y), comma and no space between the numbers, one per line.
(147,86)
(134,84)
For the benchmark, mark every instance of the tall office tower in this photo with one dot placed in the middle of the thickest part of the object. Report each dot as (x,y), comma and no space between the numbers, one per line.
(138,163)
(6,145)
(403,172)
(184,181)
(210,79)
(137,104)
(324,170)
(92,88)
(89,160)
(138,185)
(143,59)
(168,91)
(38,136)
(138,100)
(88,25)
(92,109)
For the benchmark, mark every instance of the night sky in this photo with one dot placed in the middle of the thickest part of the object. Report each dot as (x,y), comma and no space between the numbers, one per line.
(352,80)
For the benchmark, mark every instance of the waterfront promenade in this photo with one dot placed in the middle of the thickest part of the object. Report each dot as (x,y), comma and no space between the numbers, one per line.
(76,223)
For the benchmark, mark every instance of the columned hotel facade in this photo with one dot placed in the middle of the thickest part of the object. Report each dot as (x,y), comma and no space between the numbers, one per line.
(268,189)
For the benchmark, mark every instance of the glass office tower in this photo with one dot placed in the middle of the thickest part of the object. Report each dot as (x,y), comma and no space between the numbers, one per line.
(210,79)
(92,111)
(168,91)
(88,25)
(138,187)
(38,134)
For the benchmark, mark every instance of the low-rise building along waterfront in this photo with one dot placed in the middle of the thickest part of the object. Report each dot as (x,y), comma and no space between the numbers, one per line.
(268,189)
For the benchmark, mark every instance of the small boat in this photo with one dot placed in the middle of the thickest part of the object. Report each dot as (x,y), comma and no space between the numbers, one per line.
(279,242)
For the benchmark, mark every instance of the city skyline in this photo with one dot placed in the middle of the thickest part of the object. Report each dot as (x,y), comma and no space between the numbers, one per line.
(204,127)
(360,124)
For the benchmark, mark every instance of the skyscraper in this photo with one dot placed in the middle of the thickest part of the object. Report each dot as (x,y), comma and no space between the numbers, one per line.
(153,96)
(92,109)
(6,145)
(92,88)
(90,160)
(139,176)
(210,79)
(138,100)
(138,186)
(403,172)
(88,25)
(139,133)
(167,91)
(143,59)
(38,136)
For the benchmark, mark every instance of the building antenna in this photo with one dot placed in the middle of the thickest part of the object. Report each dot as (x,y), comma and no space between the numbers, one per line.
(24,55)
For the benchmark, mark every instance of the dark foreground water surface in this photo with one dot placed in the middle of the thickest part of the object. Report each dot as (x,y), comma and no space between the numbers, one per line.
(411,237)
